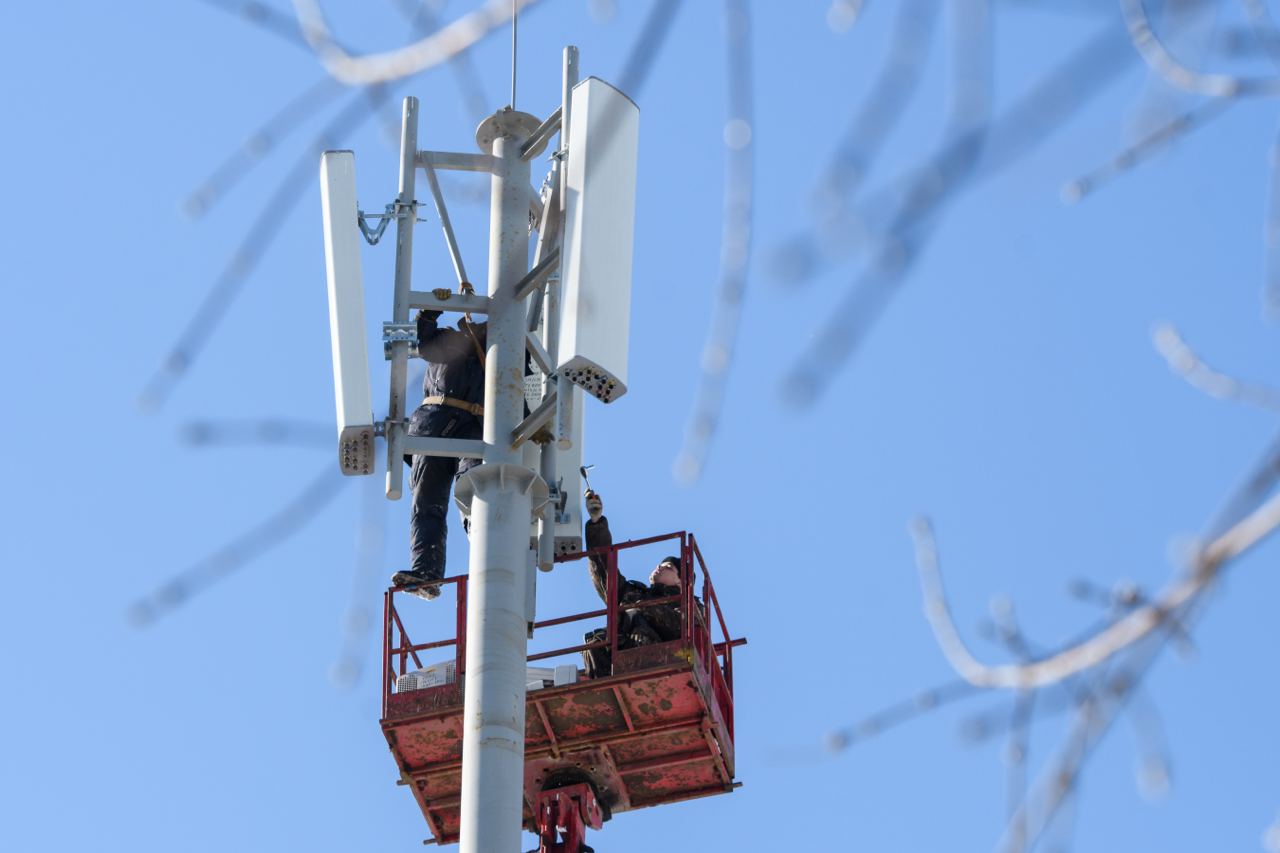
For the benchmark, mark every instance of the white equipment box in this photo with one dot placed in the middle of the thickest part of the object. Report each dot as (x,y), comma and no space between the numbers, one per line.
(346,312)
(599,228)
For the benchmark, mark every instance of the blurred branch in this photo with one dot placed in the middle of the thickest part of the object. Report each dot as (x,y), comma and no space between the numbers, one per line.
(1183,361)
(735,247)
(1266,473)
(1271,236)
(358,622)
(256,146)
(261,234)
(262,537)
(1147,147)
(423,19)
(915,210)
(406,61)
(1271,837)
(1263,27)
(263,431)
(1033,117)
(899,713)
(1154,776)
(1107,642)
(648,44)
(1049,103)
(264,17)
(897,81)
(843,15)
(1158,57)
(1108,694)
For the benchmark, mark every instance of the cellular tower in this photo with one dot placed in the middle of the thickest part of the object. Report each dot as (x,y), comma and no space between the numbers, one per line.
(487,746)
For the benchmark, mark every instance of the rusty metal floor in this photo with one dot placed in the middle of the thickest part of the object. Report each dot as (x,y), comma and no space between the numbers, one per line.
(654,732)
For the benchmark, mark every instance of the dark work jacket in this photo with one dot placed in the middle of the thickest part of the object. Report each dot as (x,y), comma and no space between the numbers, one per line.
(453,363)
(664,618)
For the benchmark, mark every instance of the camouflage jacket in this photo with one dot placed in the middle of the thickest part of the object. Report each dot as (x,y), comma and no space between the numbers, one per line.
(664,618)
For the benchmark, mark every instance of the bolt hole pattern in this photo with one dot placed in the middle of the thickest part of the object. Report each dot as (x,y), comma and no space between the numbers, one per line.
(595,382)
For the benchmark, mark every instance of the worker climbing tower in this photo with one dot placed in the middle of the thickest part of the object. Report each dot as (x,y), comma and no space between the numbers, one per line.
(479,766)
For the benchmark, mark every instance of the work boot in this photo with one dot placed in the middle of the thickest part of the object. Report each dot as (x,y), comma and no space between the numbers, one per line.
(417,583)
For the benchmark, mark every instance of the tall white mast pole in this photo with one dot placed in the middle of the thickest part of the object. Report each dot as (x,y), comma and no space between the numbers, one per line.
(494,693)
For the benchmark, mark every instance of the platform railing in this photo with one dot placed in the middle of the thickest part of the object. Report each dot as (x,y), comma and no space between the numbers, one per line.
(713,657)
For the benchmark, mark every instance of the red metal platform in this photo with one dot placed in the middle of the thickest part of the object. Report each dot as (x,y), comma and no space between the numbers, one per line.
(659,729)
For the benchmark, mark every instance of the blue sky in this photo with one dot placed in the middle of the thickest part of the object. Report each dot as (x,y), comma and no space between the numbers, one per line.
(1010,391)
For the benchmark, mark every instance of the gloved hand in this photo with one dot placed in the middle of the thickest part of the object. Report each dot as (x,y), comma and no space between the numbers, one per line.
(595,506)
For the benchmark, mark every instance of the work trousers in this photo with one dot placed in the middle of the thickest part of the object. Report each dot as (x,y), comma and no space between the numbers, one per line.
(431,479)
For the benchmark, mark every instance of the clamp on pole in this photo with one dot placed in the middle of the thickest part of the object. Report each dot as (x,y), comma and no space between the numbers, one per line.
(395,210)
(396,333)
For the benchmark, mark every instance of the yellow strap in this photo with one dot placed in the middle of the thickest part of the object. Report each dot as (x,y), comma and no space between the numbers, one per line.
(474,408)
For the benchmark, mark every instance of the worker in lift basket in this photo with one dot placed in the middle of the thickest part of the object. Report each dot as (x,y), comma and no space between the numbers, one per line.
(637,626)
(452,407)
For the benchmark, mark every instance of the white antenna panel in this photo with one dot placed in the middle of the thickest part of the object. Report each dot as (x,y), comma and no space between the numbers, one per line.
(600,207)
(346,312)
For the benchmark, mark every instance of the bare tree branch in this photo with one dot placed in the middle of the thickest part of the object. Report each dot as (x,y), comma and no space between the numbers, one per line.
(239,552)
(899,713)
(1157,56)
(256,146)
(1266,473)
(735,247)
(1107,642)
(358,621)
(1271,236)
(1033,118)
(262,232)
(648,44)
(264,17)
(406,61)
(423,18)
(1183,361)
(1147,147)
(260,431)
(896,83)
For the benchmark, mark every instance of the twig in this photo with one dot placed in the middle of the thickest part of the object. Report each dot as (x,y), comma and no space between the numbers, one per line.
(262,232)
(1107,642)
(1158,58)
(899,713)
(1271,236)
(371,539)
(1146,148)
(1183,361)
(424,20)
(735,248)
(897,81)
(239,552)
(264,17)
(1266,473)
(1033,118)
(257,146)
(648,44)
(406,61)
(264,431)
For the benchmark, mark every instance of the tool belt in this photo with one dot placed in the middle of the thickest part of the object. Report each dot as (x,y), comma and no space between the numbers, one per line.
(474,408)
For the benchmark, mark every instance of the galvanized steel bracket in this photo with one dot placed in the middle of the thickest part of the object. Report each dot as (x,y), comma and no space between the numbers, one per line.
(395,210)
(397,333)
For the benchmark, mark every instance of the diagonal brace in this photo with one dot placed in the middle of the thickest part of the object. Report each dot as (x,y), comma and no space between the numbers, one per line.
(536,420)
(535,277)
